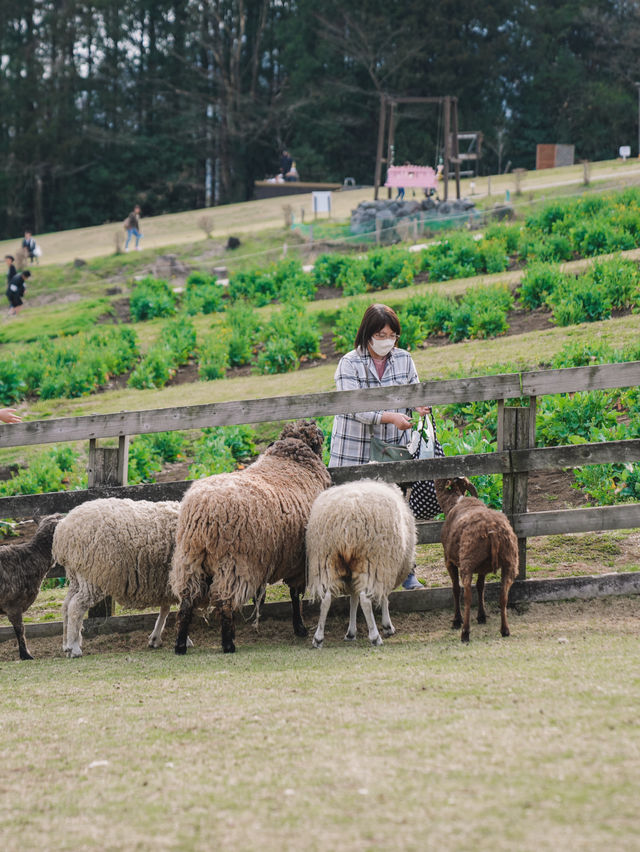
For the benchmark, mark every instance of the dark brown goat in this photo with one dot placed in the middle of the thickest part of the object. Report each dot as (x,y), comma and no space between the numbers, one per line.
(476,540)
(23,567)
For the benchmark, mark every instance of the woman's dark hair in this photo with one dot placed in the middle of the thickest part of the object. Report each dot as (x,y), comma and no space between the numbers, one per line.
(374,320)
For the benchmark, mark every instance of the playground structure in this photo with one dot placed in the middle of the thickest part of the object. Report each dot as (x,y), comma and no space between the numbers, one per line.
(451,148)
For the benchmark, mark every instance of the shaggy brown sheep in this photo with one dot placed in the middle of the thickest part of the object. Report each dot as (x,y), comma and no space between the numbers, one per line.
(239,531)
(476,540)
(23,567)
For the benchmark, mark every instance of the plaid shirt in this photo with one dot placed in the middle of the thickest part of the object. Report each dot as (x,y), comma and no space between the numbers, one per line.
(351,437)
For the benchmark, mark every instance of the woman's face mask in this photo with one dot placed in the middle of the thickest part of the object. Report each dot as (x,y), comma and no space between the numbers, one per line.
(382,347)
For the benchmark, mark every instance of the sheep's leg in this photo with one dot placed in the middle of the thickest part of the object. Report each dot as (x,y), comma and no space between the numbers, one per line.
(482,613)
(387,627)
(296,611)
(257,603)
(318,638)
(455,580)
(228,628)
(504,597)
(85,597)
(15,617)
(185,614)
(367,608)
(352,630)
(155,639)
(467,608)
(73,588)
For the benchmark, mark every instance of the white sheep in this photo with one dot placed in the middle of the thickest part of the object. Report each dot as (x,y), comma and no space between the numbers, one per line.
(361,541)
(122,548)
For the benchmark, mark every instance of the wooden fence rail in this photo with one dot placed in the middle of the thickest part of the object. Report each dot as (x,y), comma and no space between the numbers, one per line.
(501,387)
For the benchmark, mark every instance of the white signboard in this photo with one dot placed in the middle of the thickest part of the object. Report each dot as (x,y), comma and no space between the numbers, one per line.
(321,201)
(625,151)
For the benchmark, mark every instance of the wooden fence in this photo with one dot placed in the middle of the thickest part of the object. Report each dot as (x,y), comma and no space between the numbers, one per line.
(515,458)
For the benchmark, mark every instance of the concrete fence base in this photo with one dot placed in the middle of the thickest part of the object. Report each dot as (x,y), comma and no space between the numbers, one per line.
(425,600)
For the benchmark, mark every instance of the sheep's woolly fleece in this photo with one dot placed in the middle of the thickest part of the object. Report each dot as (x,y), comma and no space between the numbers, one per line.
(361,537)
(122,547)
(241,530)
(23,566)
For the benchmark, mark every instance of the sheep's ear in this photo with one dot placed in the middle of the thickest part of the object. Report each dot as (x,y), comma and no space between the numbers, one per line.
(471,488)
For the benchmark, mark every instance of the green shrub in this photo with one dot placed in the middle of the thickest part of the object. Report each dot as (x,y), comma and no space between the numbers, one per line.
(445,269)
(347,324)
(203,295)
(56,469)
(579,300)
(562,418)
(352,280)
(494,254)
(152,297)
(296,325)
(12,386)
(245,325)
(278,356)
(328,269)
(579,354)
(432,309)
(412,333)
(218,450)
(253,286)
(213,360)
(154,371)
(292,282)
(619,278)
(538,283)
(144,464)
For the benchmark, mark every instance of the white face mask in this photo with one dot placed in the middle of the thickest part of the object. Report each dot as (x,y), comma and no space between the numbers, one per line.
(382,347)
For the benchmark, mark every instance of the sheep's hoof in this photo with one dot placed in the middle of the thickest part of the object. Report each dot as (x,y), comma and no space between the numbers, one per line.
(301,631)
(229,649)
(189,643)
(180,649)
(482,618)
(26,656)
(388,631)
(75,654)
(350,637)
(465,637)
(375,643)
(505,631)
(317,643)
(155,643)
(456,624)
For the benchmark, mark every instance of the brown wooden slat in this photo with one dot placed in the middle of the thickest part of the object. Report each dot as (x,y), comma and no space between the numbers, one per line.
(624,517)
(550,458)
(570,379)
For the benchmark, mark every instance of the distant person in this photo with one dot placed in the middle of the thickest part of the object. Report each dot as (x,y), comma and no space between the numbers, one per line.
(30,246)
(132,227)
(8,415)
(9,259)
(285,163)
(15,291)
(292,174)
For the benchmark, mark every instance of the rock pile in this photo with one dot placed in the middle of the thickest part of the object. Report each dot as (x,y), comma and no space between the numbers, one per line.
(385,214)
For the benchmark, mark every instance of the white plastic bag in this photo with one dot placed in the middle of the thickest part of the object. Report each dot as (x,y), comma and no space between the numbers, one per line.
(422,440)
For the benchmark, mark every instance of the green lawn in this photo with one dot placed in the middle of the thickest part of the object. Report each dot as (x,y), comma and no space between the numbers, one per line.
(526,743)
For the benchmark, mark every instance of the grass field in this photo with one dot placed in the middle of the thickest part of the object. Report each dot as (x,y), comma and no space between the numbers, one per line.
(528,743)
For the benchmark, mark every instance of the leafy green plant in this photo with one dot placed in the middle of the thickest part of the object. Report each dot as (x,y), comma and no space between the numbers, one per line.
(203,295)
(278,356)
(579,300)
(213,359)
(152,297)
(538,282)
(328,269)
(56,469)
(562,418)
(219,450)
(347,324)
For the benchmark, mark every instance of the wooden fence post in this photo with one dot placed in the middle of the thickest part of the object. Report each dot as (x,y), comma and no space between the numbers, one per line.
(107,466)
(516,431)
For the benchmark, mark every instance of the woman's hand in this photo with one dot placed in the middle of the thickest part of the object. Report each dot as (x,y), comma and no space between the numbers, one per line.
(400,421)
(8,415)
(423,410)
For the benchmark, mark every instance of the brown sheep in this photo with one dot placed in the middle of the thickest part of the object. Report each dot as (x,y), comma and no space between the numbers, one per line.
(476,540)
(23,567)
(239,531)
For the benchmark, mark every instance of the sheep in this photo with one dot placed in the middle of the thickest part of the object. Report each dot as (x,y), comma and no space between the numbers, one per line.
(239,531)
(23,567)
(476,540)
(115,547)
(361,541)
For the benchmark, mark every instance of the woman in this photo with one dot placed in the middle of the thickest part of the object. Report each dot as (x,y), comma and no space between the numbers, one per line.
(375,362)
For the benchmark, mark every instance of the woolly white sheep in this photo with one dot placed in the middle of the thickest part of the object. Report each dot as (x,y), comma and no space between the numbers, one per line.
(361,541)
(239,531)
(23,567)
(115,547)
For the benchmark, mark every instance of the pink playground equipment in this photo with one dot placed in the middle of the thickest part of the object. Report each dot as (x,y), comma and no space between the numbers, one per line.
(422,177)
